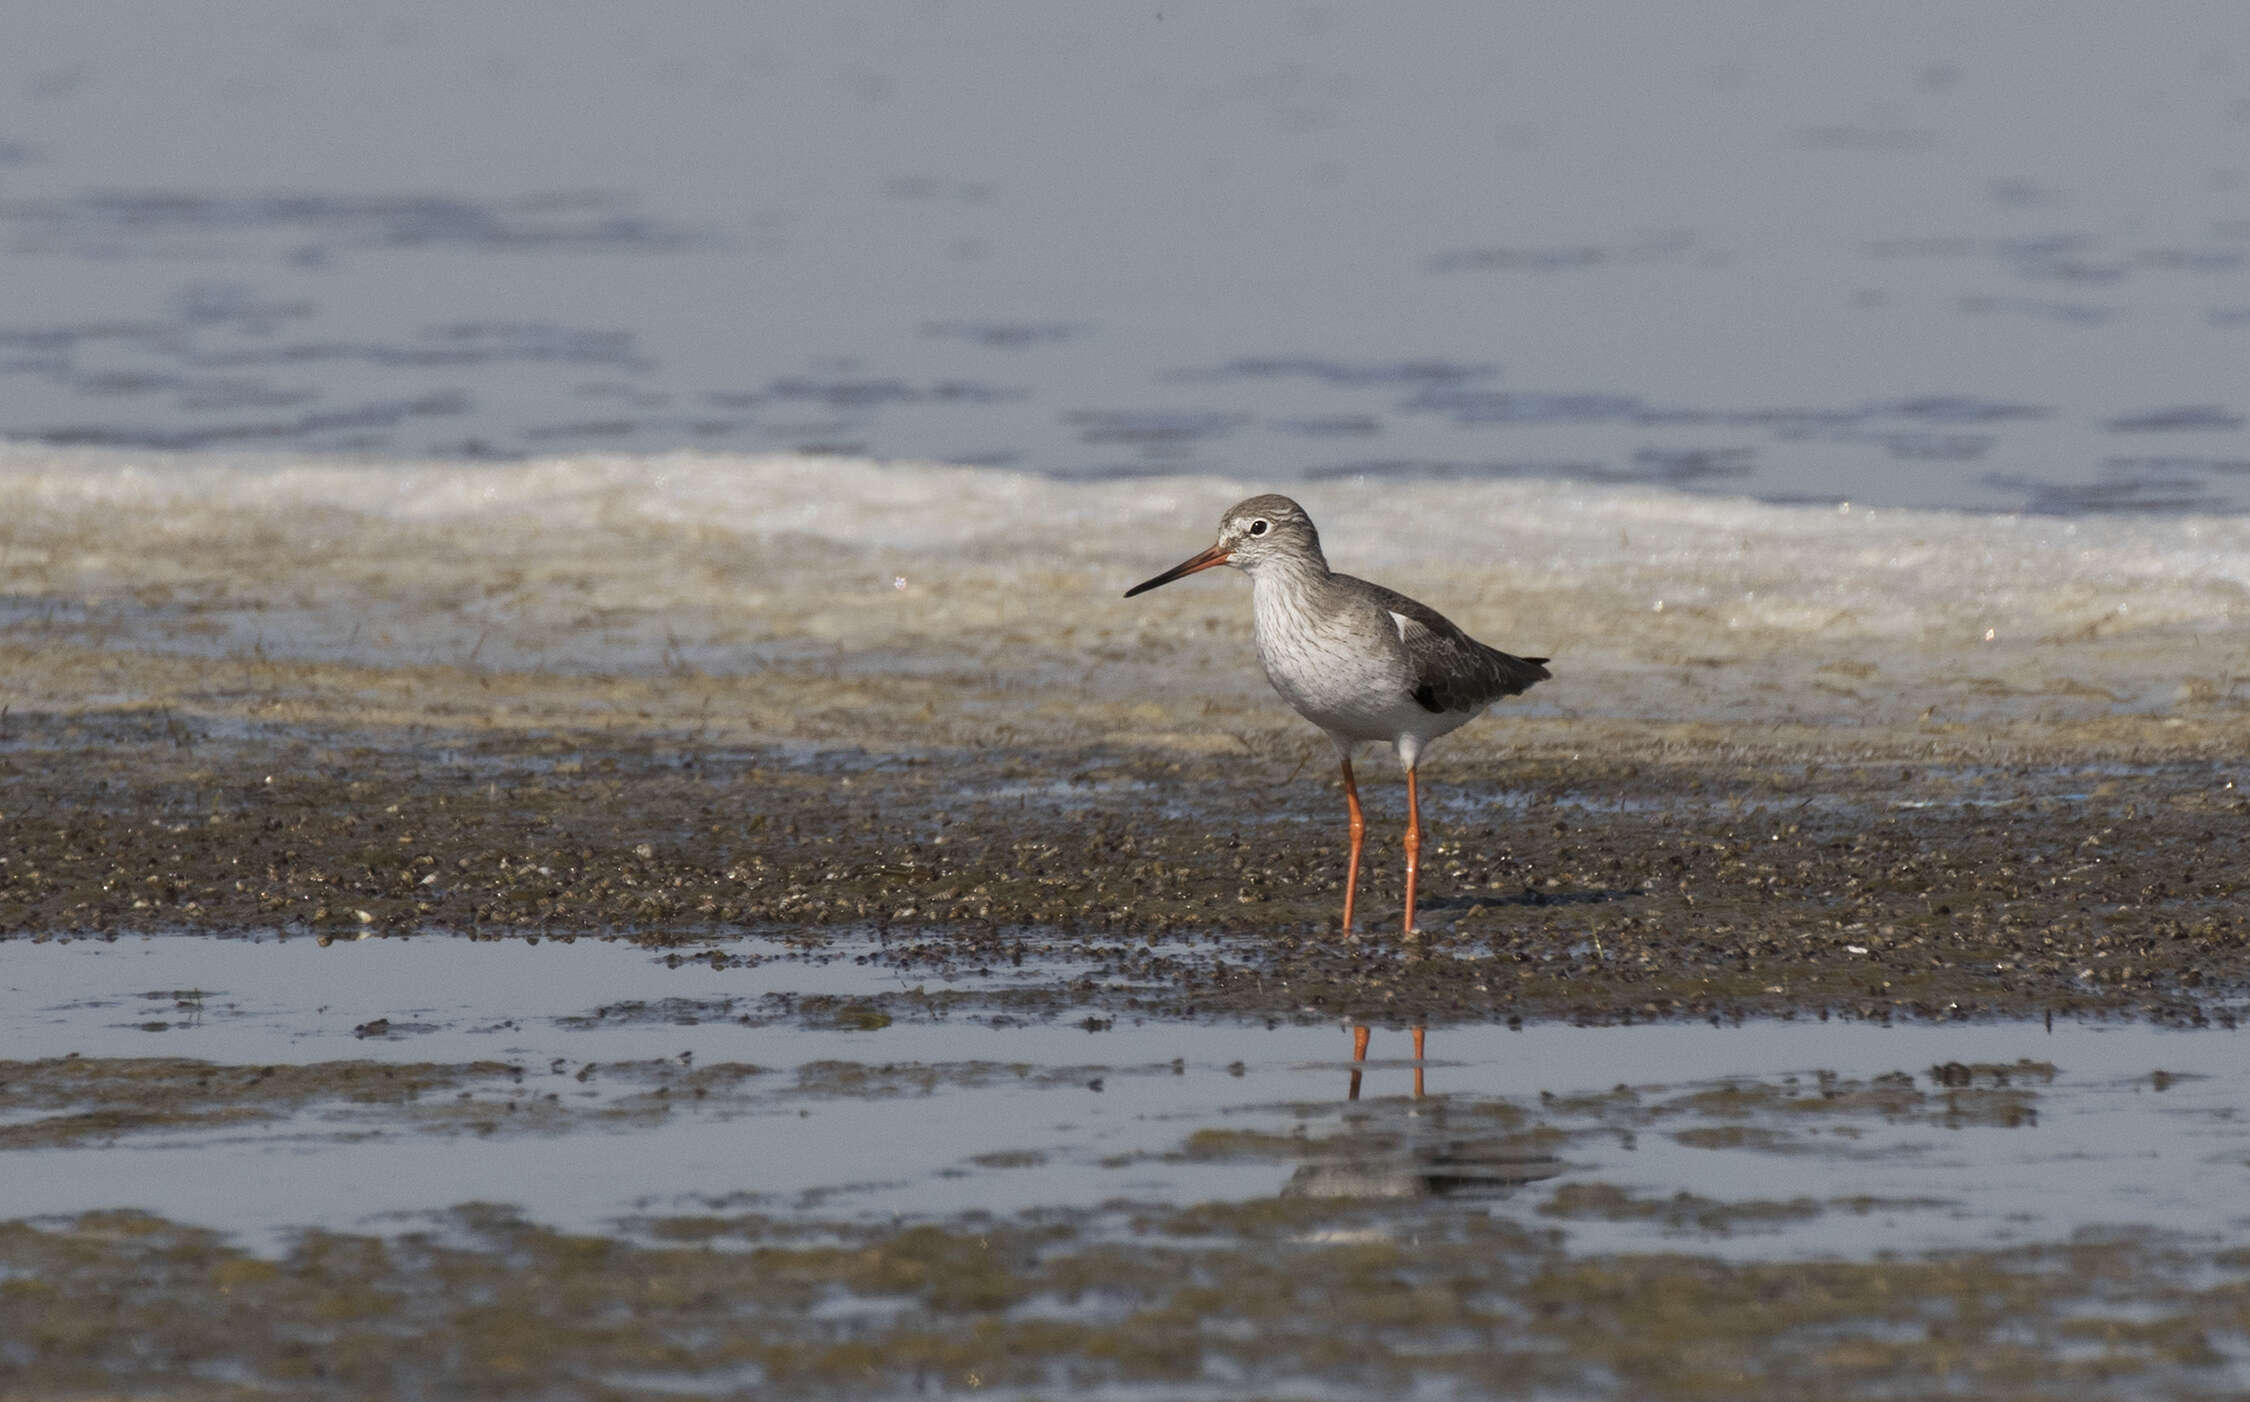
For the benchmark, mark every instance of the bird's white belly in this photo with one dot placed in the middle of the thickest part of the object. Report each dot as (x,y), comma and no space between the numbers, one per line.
(1348,675)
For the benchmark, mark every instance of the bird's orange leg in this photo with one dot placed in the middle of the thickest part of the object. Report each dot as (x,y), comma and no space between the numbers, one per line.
(1418,1063)
(1413,848)
(1359,1054)
(1359,834)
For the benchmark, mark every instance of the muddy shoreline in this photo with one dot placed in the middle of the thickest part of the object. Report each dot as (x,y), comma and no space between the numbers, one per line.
(1177,873)
(1576,874)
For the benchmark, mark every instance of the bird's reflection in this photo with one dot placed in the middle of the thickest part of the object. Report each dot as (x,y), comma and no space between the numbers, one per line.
(1360,1036)
(1413,1152)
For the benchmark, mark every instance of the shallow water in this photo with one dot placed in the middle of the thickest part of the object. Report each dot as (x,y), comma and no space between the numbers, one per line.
(1785,1133)
(1912,257)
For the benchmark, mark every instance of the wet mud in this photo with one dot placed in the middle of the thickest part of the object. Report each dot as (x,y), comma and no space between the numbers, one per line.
(1685,880)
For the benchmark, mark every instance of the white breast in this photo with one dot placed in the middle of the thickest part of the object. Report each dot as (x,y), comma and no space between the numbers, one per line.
(1342,667)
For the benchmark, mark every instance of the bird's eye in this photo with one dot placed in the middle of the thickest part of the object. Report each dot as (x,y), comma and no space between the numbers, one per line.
(1259,527)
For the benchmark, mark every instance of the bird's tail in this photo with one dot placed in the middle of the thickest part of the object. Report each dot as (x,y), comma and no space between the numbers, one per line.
(1519,673)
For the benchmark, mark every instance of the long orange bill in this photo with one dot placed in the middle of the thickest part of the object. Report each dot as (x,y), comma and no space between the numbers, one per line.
(1204,561)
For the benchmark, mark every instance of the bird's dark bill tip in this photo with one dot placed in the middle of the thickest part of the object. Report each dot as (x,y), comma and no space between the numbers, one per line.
(1204,561)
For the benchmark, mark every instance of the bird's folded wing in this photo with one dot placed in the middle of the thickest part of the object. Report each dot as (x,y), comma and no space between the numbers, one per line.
(1453,671)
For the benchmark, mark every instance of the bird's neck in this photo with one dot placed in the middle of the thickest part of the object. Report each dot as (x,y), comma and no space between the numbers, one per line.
(1289,613)
(1291,572)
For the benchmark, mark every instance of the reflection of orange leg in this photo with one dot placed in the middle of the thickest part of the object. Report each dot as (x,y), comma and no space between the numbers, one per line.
(1359,1054)
(1359,834)
(1413,847)
(1418,1063)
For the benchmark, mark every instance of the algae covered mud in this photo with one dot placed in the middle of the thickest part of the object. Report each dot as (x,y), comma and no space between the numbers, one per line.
(784,926)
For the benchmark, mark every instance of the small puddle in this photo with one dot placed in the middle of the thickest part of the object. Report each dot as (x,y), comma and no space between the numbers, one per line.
(260,1086)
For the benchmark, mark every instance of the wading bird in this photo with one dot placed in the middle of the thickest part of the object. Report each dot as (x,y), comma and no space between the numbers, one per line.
(1360,661)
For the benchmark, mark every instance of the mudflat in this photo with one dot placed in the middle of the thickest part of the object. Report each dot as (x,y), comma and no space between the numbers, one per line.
(1585,868)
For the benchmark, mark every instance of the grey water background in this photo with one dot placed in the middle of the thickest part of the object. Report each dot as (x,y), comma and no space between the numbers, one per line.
(1994,257)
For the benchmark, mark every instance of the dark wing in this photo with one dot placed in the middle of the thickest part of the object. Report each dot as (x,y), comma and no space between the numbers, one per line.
(1453,671)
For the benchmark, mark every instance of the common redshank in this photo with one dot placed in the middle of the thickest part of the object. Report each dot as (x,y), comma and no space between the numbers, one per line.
(1364,663)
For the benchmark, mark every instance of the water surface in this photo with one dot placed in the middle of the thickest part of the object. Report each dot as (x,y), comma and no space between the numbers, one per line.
(1908,256)
(1874,1138)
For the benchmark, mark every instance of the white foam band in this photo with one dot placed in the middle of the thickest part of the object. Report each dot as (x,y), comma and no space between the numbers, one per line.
(611,561)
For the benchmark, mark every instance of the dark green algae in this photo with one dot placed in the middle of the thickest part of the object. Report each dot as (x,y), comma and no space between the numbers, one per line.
(1818,1112)
(90,1102)
(1687,880)
(82,1101)
(1275,1298)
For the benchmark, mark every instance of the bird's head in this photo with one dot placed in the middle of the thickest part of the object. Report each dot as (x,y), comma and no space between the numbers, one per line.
(1262,531)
